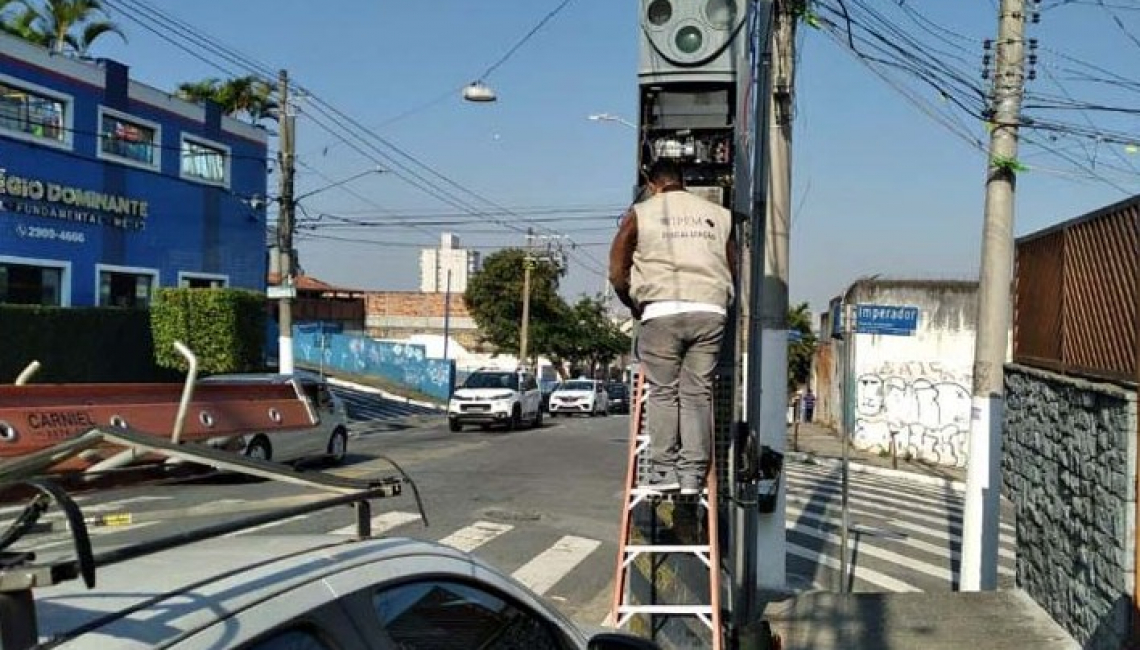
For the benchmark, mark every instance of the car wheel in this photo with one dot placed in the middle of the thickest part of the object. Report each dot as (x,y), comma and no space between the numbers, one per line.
(338,446)
(516,419)
(537,419)
(259,449)
(594,411)
(454,426)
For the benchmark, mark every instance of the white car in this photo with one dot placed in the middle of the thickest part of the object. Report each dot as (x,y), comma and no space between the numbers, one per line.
(327,440)
(490,397)
(307,592)
(582,396)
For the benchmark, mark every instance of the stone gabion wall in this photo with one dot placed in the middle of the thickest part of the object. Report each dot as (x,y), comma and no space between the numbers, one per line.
(1069,466)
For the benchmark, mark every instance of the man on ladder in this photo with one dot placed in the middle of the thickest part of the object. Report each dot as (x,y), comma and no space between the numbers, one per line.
(673,264)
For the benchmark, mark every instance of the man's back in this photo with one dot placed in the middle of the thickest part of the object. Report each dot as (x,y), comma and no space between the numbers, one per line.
(681,250)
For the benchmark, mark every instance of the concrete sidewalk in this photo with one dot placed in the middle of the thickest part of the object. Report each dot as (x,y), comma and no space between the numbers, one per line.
(995,620)
(824,446)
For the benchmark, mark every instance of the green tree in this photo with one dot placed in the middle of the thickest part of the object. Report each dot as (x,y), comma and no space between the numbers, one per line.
(62,25)
(800,352)
(248,96)
(494,297)
(587,336)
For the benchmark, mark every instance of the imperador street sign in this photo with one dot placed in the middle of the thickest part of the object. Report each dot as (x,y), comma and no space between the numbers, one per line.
(890,320)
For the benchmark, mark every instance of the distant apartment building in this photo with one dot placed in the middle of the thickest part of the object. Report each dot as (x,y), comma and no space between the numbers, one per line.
(437,263)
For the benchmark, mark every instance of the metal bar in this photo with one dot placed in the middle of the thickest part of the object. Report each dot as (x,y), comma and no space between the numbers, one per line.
(631,481)
(114,556)
(27,373)
(363,519)
(187,391)
(19,629)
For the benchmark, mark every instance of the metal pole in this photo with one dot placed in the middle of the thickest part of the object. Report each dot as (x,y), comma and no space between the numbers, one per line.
(446,314)
(744,601)
(285,229)
(983,478)
(845,525)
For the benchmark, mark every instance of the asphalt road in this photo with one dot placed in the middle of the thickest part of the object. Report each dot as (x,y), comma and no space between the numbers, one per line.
(544,505)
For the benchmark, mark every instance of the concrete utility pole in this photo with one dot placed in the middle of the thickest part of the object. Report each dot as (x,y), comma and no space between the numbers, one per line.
(287,158)
(983,479)
(773,393)
(528,266)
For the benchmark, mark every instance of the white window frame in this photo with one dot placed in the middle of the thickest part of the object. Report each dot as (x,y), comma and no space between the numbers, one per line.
(68,115)
(156,146)
(64,276)
(133,270)
(194,275)
(204,142)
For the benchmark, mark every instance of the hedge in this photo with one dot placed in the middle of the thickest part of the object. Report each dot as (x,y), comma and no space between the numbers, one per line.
(224,327)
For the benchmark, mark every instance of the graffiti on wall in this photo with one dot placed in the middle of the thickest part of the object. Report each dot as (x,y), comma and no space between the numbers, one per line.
(923,405)
(402,363)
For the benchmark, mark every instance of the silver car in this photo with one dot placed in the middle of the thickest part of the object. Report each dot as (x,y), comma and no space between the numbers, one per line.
(307,592)
(327,440)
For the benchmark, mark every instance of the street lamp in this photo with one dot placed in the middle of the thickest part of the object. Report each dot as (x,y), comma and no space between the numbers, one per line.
(479,92)
(607,117)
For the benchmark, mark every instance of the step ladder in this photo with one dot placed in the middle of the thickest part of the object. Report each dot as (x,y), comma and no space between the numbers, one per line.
(638,500)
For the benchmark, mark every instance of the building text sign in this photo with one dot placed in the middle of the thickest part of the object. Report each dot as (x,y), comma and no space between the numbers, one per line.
(892,320)
(37,198)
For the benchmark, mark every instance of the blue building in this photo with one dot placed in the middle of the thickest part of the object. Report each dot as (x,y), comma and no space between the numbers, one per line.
(110,188)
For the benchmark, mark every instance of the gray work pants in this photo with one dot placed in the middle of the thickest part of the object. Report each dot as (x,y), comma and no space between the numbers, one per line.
(679,356)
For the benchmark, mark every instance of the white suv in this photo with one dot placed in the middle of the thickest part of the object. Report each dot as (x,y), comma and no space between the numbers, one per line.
(491,397)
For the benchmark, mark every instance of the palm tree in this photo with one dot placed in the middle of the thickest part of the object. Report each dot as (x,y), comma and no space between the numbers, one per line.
(62,25)
(800,352)
(249,96)
(20,23)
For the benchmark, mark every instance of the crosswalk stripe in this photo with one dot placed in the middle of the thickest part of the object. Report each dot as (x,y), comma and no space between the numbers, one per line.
(473,536)
(926,547)
(911,508)
(550,566)
(866,575)
(831,513)
(942,504)
(381,523)
(896,482)
(874,509)
(944,573)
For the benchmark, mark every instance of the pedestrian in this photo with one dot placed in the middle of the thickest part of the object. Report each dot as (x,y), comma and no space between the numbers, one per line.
(673,264)
(809,405)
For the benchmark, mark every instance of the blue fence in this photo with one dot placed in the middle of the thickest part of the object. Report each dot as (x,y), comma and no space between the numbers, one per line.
(402,363)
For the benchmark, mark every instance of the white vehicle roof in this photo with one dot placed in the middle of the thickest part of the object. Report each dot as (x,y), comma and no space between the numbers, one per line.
(154,600)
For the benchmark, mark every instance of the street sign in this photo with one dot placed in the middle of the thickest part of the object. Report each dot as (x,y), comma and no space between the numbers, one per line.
(795,336)
(276,293)
(889,320)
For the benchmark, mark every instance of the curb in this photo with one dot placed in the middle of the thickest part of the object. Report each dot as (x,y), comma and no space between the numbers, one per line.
(828,461)
(382,393)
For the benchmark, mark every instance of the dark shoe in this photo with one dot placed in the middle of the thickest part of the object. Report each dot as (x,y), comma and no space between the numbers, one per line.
(663,481)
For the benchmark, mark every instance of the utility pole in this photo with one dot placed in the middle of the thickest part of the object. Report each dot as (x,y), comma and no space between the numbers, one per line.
(528,266)
(286,158)
(983,479)
(773,315)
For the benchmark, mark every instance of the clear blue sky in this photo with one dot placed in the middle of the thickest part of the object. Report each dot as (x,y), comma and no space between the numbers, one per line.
(879,186)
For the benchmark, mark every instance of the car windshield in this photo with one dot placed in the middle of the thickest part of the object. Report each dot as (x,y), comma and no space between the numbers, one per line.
(491,380)
(577,385)
(616,389)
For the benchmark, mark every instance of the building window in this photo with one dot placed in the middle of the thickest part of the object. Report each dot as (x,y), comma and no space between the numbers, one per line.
(202,281)
(27,284)
(128,140)
(126,287)
(204,162)
(32,113)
